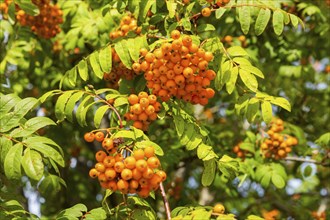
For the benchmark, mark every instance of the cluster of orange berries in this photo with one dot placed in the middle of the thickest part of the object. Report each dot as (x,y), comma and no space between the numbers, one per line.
(46,24)
(240,152)
(118,71)
(127,24)
(319,216)
(229,40)
(178,69)
(206,12)
(138,173)
(143,110)
(4,6)
(277,145)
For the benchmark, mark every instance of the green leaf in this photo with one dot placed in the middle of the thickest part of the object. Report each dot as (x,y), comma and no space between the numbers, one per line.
(194,141)
(72,76)
(244,18)
(135,45)
(5,145)
(10,120)
(142,144)
(83,70)
(179,124)
(96,214)
(267,112)
(236,51)
(171,7)
(242,61)
(47,151)
(186,23)
(71,104)
(265,180)
(31,126)
(94,62)
(187,134)
(143,214)
(81,109)
(121,49)
(60,105)
(219,12)
(254,217)
(42,140)
(282,102)
(124,134)
(278,181)
(205,27)
(28,7)
(32,164)
(278,22)
(105,58)
(7,102)
(252,110)
(253,70)
(249,80)
(262,21)
(50,186)
(209,172)
(294,20)
(99,115)
(230,85)
(247,146)
(45,96)
(203,150)
(12,165)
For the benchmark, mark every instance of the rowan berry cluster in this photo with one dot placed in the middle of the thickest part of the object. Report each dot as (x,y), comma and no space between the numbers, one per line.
(143,110)
(46,24)
(319,215)
(278,145)
(137,173)
(206,12)
(118,71)
(240,152)
(4,7)
(127,24)
(229,40)
(178,69)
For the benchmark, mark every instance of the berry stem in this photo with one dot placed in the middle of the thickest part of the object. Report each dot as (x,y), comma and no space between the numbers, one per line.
(166,204)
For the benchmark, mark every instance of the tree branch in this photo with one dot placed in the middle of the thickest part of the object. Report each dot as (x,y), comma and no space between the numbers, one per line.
(306,160)
(167,206)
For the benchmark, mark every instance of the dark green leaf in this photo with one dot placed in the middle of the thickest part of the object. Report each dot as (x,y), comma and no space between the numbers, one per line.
(209,172)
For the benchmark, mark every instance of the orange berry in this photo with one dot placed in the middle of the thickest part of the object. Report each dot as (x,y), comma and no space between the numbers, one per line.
(100,167)
(138,124)
(100,155)
(141,165)
(137,109)
(130,162)
(152,99)
(133,184)
(107,143)
(219,208)
(99,136)
(148,173)
(110,173)
(153,162)
(143,95)
(143,51)
(102,178)
(155,180)
(144,102)
(119,157)
(112,185)
(157,106)
(209,93)
(136,174)
(150,110)
(186,40)
(162,175)
(208,56)
(126,174)
(193,48)
(89,137)
(175,34)
(143,117)
(119,166)
(109,161)
(149,151)
(150,57)
(138,154)
(93,173)
(133,99)
(143,182)
(188,72)
(144,192)
(122,185)
(206,12)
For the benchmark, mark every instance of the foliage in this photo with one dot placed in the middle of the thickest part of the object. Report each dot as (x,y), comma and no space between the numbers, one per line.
(271,62)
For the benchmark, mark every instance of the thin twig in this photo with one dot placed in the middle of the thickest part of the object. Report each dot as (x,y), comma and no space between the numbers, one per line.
(306,160)
(166,204)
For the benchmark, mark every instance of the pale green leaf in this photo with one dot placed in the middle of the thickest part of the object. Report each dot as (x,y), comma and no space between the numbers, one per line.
(262,21)
(294,20)
(219,12)
(209,172)
(31,126)
(282,102)
(278,22)
(47,151)
(32,164)
(236,51)
(60,104)
(7,102)
(253,70)
(267,112)
(12,165)
(99,115)
(278,181)
(244,18)
(121,49)
(83,70)
(171,7)
(105,58)
(230,85)
(249,80)
(71,104)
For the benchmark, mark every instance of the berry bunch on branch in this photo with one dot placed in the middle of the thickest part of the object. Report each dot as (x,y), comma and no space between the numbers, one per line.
(46,24)
(127,24)
(119,168)
(178,68)
(278,145)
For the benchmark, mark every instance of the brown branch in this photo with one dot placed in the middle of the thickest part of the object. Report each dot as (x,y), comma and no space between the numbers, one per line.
(166,204)
(306,160)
